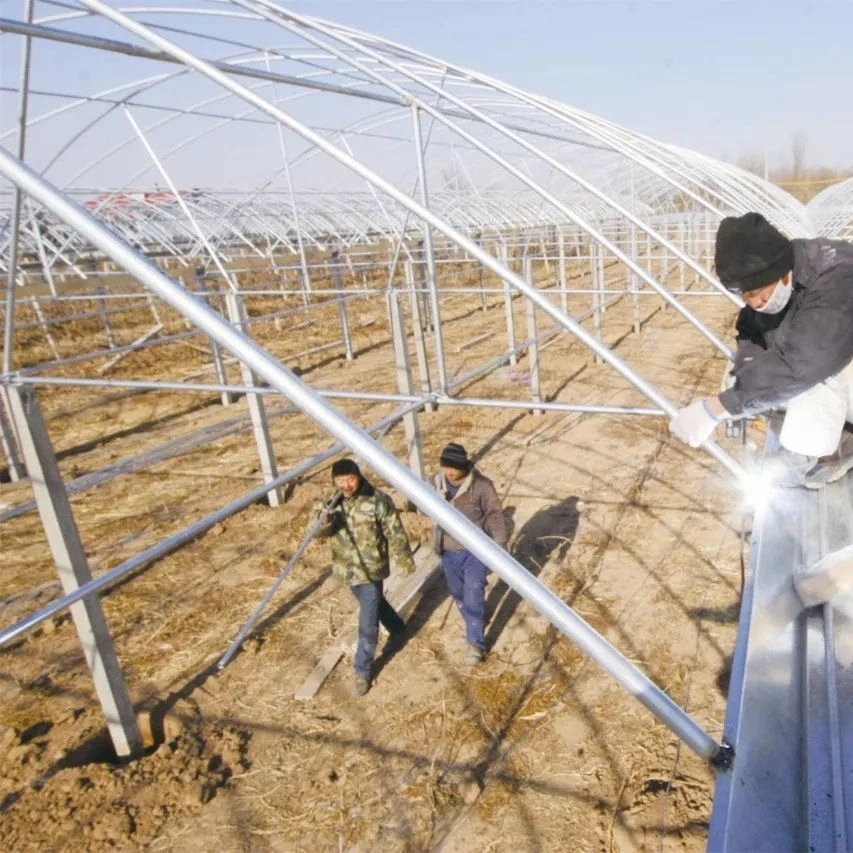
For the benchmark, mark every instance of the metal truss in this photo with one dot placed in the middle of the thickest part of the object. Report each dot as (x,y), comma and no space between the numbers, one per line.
(239,132)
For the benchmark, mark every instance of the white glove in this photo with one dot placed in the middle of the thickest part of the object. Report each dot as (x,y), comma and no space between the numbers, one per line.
(694,423)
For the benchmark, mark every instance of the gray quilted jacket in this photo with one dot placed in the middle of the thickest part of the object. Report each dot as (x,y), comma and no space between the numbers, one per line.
(781,355)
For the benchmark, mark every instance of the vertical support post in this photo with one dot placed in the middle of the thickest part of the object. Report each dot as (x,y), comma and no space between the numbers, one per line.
(8,439)
(634,279)
(154,312)
(418,329)
(36,306)
(682,234)
(257,413)
(594,249)
(282,284)
(602,285)
(578,248)
(510,324)
(545,260)
(108,329)
(423,290)
(649,259)
(561,270)
(593,276)
(73,568)
(335,269)
(477,239)
(430,258)
(533,345)
(183,283)
(216,353)
(699,244)
(411,427)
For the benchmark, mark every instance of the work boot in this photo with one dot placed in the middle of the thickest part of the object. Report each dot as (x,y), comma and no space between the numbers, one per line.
(834,467)
(476,654)
(360,686)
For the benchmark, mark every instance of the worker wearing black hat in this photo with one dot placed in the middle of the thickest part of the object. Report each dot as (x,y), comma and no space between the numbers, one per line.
(475,497)
(365,531)
(794,346)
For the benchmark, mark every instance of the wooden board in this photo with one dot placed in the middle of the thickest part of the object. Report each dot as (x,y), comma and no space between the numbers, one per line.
(402,593)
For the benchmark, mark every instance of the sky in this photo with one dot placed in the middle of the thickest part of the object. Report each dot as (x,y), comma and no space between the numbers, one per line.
(735,79)
(729,78)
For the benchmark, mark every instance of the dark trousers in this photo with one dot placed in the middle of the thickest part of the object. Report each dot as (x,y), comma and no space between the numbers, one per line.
(466,580)
(373,609)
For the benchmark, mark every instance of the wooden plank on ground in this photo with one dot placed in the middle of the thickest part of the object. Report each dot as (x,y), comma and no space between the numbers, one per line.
(401,592)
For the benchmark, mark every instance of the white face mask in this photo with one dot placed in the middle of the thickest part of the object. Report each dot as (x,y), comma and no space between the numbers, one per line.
(779,298)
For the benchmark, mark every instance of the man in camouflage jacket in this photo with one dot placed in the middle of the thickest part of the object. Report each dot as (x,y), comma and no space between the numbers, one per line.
(365,532)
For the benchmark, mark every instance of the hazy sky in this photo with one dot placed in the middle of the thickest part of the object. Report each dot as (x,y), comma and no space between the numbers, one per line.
(729,78)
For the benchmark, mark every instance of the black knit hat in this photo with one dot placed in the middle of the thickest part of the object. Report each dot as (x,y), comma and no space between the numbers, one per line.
(454,456)
(751,253)
(343,467)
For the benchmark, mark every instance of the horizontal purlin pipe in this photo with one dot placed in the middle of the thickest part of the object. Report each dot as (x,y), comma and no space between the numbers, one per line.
(213,388)
(347,395)
(361,444)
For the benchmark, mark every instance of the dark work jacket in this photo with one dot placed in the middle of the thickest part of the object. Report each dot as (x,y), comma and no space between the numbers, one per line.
(478,501)
(781,355)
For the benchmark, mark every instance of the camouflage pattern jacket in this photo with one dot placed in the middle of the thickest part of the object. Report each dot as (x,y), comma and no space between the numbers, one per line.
(365,533)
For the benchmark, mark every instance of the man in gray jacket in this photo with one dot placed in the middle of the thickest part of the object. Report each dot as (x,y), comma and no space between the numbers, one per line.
(794,346)
(475,497)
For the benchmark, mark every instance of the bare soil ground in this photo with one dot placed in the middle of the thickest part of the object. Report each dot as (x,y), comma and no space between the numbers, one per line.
(536,749)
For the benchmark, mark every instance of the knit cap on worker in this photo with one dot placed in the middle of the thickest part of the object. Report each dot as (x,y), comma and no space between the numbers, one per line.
(455,456)
(750,253)
(344,467)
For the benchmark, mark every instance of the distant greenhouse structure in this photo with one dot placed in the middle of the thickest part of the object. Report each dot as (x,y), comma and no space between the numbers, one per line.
(831,211)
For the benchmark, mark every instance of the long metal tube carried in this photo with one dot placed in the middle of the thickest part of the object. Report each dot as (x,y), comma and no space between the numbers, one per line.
(247,626)
(424,213)
(361,444)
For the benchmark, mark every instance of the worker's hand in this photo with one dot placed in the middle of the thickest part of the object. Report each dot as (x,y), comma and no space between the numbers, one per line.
(694,423)
(327,514)
(330,509)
